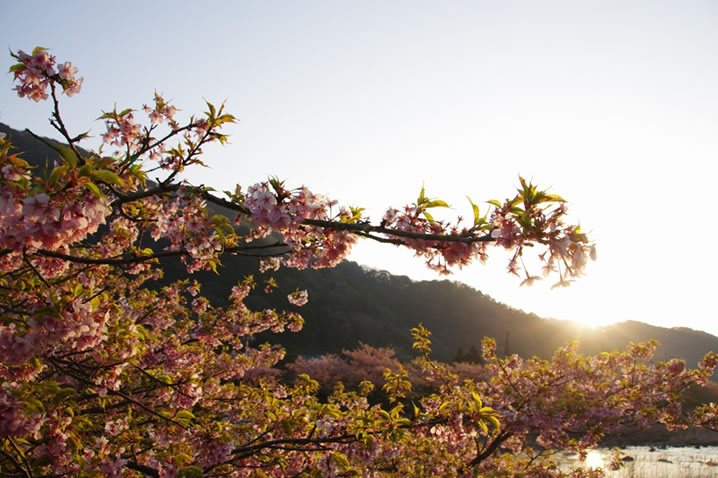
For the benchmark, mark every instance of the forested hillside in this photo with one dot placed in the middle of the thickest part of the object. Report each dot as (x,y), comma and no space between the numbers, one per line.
(351,304)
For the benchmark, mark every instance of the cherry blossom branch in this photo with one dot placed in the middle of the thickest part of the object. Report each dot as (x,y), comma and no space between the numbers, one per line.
(26,468)
(59,125)
(134,196)
(363,229)
(383,240)
(286,443)
(119,393)
(34,270)
(488,451)
(147,147)
(15,462)
(368,228)
(238,250)
(187,159)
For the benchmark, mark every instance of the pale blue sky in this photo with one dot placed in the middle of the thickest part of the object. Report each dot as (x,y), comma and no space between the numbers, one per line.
(614,105)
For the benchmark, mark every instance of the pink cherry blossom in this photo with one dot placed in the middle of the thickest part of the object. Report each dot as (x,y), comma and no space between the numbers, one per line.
(298,298)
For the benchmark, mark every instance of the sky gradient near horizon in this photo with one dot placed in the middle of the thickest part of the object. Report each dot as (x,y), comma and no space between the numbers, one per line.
(611,104)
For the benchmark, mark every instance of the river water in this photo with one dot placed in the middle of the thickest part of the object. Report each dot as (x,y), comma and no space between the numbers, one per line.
(646,462)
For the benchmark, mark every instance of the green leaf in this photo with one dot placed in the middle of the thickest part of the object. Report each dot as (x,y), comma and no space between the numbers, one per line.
(475,208)
(67,154)
(477,398)
(94,189)
(494,421)
(225,118)
(103,163)
(81,136)
(515,201)
(85,170)
(193,471)
(483,426)
(429,216)
(34,405)
(436,203)
(185,414)
(495,203)
(107,176)
(56,174)
(551,198)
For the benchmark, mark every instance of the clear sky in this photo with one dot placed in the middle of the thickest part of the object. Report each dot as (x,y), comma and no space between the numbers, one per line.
(611,104)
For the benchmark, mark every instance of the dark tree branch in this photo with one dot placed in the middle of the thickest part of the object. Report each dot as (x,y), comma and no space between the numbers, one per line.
(145,470)
(59,125)
(500,438)
(245,250)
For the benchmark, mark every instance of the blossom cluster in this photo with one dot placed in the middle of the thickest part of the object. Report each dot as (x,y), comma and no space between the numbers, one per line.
(43,222)
(14,421)
(40,221)
(276,209)
(76,328)
(439,255)
(567,249)
(298,298)
(122,131)
(162,111)
(37,71)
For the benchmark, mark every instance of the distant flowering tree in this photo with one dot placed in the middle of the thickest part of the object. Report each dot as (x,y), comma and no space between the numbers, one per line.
(104,375)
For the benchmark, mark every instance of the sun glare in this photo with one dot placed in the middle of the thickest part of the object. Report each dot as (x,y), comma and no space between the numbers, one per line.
(594,459)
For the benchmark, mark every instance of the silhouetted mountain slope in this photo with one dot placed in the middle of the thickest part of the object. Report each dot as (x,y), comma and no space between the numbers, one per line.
(351,304)
(677,342)
(34,151)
